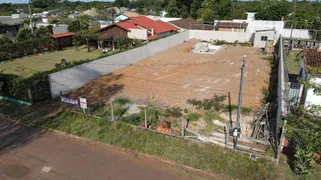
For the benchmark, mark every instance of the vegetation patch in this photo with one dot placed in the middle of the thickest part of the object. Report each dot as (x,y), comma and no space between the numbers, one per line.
(201,156)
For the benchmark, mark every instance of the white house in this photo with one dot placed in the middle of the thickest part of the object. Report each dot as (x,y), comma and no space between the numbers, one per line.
(311,58)
(262,36)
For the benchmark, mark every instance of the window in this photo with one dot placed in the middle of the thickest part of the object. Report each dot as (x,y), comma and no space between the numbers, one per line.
(263,38)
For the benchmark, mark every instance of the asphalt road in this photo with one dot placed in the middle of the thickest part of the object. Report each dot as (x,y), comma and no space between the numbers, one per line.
(29,153)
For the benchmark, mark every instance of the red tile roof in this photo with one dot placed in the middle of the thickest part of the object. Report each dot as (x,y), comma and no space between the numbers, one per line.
(312,58)
(162,27)
(126,25)
(159,26)
(56,36)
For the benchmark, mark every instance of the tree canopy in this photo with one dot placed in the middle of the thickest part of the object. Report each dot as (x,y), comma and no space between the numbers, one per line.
(24,34)
(42,31)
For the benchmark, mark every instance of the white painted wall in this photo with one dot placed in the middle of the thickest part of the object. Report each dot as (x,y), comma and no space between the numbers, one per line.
(296,33)
(138,34)
(221,35)
(311,97)
(254,25)
(257,38)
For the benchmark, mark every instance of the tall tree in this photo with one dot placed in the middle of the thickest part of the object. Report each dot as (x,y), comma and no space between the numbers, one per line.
(215,9)
(24,34)
(196,4)
(42,31)
(172,9)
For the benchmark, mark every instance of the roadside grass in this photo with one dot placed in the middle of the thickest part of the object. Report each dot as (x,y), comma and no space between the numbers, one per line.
(210,127)
(292,62)
(286,173)
(198,155)
(43,62)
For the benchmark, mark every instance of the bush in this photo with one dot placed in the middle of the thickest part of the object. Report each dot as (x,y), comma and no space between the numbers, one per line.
(303,161)
(207,157)
(122,101)
(212,115)
(134,119)
(23,48)
(193,116)
(173,112)
(214,103)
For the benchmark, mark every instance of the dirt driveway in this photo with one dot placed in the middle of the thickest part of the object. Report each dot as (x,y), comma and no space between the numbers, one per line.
(175,75)
(31,154)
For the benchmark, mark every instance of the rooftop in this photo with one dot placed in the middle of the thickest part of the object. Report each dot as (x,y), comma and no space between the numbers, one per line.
(56,36)
(159,26)
(185,23)
(312,58)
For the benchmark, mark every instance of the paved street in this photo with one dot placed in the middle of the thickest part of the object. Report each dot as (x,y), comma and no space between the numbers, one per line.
(28,153)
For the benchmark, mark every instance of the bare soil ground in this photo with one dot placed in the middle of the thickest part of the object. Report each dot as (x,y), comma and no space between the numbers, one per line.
(175,75)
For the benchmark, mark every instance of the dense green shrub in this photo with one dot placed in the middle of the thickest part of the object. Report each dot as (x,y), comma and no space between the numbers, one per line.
(193,116)
(214,103)
(17,87)
(20,49)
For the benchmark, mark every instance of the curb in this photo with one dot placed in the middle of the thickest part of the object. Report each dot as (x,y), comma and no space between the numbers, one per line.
(122,150)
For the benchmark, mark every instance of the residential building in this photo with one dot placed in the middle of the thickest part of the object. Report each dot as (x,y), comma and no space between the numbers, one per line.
(186,23)
(139,27)
(230,26)
(10,25)
(311,58)
(262,37)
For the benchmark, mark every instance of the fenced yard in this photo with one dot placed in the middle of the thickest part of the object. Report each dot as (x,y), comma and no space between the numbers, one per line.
(293,62)
(43,62)
(175,75)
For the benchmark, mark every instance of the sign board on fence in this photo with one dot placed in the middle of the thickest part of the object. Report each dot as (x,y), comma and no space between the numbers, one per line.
(69,100)
(83,103)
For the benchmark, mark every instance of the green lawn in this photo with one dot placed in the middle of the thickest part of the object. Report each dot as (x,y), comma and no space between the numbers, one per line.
(293,62)
(43,62)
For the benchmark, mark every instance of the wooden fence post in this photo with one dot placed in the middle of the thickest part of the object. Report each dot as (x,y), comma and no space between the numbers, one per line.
(145,117)
(112,111)
(183,127)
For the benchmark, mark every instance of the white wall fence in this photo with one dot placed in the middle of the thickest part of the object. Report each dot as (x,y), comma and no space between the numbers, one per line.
(67,80)
(296,33)
(221,35)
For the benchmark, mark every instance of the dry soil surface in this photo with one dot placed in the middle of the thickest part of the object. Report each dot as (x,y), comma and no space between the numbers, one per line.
(175,75)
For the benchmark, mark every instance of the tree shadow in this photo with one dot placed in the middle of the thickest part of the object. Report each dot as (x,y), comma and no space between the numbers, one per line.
(15,135)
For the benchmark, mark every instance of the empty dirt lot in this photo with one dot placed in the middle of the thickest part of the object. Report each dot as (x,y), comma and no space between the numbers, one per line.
(175,75)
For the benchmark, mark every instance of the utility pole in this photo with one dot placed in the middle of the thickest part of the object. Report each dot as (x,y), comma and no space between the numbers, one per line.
(30,17)
(237,128)
(294,8)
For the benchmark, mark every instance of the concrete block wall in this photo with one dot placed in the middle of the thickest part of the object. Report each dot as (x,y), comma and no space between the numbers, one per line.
(66,80)
(221,35)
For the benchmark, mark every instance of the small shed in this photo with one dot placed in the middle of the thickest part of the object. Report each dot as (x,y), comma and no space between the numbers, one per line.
(262,36)
(63,39)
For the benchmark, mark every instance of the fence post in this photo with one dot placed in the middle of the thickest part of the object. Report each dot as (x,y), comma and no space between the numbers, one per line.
(112,111)
(145,117)
(30,95)
(226,135)
(62,103)
(183,128)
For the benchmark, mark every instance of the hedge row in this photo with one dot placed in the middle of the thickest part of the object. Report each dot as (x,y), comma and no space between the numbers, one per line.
(20,49)
(17,87)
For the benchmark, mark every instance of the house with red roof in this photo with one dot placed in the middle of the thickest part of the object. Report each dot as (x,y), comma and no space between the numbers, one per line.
(140,27)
